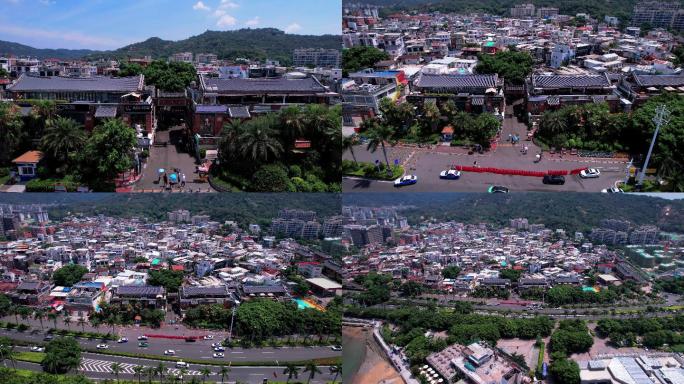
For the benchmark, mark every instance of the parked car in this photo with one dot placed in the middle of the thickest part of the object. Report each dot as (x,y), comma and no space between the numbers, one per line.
(169,352)
(102,346)
(37,349)
(553,179)
(450,174)
(406,180)
(497,189)
(590,173)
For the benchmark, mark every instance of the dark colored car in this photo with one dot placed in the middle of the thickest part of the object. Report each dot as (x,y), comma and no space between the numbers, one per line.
(554,179)
(497,189)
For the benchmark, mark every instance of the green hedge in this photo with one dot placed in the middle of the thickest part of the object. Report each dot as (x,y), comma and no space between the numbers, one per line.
(371,171)
(48,185)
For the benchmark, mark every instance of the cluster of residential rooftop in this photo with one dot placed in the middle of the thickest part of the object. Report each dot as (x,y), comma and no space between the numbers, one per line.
(545,257)
(433,57)
(220,266)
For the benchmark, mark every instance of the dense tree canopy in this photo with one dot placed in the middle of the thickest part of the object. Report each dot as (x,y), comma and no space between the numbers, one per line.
(357,58)
(513,66)
(170,280)
(565,371)
(69,275)
(62,355)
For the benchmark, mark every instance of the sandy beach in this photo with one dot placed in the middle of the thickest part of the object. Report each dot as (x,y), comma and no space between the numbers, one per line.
(374,369)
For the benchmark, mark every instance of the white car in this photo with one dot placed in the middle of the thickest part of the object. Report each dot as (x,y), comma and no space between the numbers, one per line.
(218,355)
(590,173)
(122,340)
(450,174)
(143,337)
(406,180)
(336,347)
(37,349)
(169,352)
(612,190)
(209,337)
(102,346)
(182,364)
(213,345)
(219,349)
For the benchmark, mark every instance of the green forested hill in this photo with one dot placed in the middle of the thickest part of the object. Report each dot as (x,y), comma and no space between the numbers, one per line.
(260,43)
(8,47)
(570,211)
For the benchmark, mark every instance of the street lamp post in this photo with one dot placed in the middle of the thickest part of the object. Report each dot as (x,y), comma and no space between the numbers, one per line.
(661,118)
(232,318)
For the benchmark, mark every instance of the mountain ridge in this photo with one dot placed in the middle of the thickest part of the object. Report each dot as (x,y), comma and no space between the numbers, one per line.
(252,43)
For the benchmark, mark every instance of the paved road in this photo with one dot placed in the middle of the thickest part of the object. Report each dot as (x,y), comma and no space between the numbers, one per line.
(97,366)
(428,163)
(198,350)
(169,157)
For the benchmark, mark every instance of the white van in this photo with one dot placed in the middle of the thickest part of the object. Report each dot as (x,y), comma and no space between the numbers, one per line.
(182,364)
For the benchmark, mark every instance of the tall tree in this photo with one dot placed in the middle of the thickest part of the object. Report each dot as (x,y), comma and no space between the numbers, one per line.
(291,370)
(62,137)
(11,131)
(312,368)
(378,135)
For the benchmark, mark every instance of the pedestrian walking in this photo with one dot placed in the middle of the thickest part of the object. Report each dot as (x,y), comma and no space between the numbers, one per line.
(166,180)
(183,180)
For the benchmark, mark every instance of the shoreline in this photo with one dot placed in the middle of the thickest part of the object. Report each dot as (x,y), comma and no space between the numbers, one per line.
(375,367)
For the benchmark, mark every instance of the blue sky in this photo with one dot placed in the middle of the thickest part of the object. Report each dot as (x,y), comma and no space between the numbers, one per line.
(110,24)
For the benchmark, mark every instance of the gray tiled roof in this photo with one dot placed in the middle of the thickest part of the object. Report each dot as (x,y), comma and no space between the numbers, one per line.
(139,290)
(96,83)
(247,289)
(249,86)
(105,111)
(659,80)
(456,81)
(220,290)
(239,112)
(570,81)
(211,109)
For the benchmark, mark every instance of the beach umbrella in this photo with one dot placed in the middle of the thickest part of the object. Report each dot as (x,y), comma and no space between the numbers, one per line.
(161,170)
(425,366)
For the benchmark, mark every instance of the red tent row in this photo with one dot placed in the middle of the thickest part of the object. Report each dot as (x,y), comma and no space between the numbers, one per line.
(518,172)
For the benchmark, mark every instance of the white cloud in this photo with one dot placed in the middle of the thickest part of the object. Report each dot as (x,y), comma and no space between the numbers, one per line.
(252,22)
(227,4)
(292,28)
(48,2)
(226,20)
(219,13)
(60,37)
(199,6)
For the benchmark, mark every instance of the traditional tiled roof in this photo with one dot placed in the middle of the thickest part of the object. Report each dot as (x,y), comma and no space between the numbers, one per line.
(139,290)
(249,86)
(247,289)
(211,109)
(219,290)
(659,80)
(457,81)
(29,157)
(239,112)
(105,111)
(66,84)
(570,81)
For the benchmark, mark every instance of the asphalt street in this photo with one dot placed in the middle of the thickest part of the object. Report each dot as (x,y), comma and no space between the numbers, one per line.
(198,350)
(98,366)
(427,163)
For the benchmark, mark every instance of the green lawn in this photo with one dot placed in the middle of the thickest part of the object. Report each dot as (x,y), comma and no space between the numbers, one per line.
(370,171)
(31,357)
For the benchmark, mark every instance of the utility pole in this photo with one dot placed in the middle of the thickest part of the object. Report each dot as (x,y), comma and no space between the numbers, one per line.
(232,317)
(661,118)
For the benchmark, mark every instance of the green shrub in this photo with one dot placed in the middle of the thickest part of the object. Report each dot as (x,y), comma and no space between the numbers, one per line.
(270,178)
(203,153)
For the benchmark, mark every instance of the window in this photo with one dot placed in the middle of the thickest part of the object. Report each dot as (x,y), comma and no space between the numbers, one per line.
(26,171)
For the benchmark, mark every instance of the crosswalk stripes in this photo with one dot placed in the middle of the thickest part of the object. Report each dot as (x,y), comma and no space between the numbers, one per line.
(103,366)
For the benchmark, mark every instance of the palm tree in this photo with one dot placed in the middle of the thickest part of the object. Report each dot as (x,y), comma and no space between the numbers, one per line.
(553,123)
(151,372)
(138,370)
(24,312)
(348,145)
(378,135)
(15,310)
(182,372)
(205,372)
(11,130)
(335,370)
(161,370)
(53,316)
(39,314)
(116,369)
(62,136)
(291,370)
(293,122)
(258,142)
(312,369)
(224,371)
(7,352)
(81,322)
(67,321)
